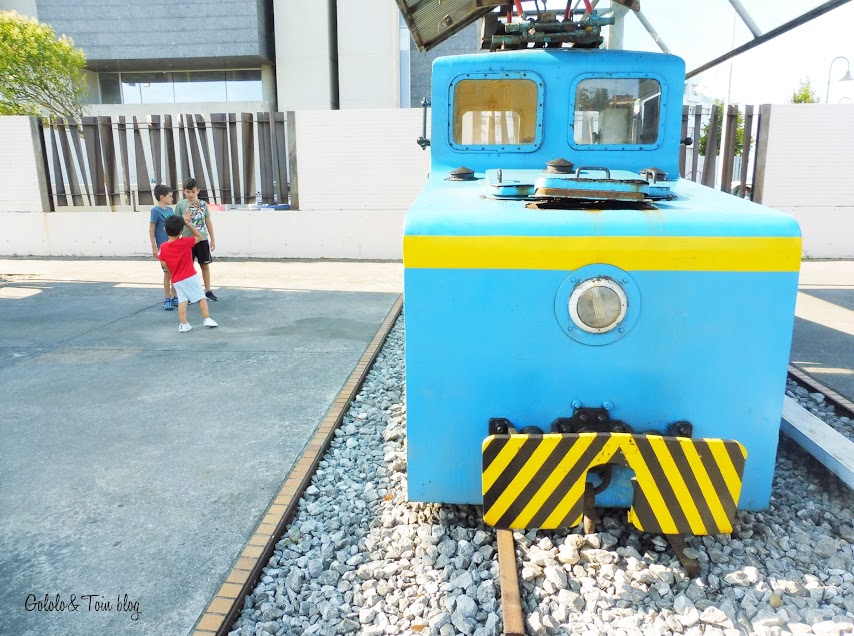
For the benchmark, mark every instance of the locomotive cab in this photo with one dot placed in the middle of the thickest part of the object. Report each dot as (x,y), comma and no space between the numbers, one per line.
(579,319)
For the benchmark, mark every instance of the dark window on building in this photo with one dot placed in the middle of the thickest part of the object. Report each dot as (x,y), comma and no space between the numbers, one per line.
(111,92)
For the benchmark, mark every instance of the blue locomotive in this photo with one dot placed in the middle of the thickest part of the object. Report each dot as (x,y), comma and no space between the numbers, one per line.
(580,321)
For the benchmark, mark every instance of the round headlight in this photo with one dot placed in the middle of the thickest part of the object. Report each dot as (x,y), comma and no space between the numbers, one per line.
(597,305)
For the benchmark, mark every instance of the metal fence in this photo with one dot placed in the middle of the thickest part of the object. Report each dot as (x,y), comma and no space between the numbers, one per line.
(242,158)
(736,171)
(114,162)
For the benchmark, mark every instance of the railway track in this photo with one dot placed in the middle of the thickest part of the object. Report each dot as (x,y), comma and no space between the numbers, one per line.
(354,557)
(841,404)
(512,607)
(822,422)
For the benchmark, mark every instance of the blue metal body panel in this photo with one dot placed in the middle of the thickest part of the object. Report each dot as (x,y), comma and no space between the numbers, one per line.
(706,337)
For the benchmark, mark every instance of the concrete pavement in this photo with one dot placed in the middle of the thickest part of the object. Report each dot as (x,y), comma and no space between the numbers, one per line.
(136,461)
(823,339)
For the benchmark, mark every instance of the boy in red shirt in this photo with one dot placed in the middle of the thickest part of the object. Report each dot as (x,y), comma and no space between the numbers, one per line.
(177,255)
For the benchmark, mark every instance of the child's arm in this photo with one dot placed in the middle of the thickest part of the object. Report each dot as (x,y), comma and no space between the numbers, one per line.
(151,237)
(210,233)
(191,227)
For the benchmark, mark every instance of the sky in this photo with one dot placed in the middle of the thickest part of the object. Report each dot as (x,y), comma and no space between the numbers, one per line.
(701,30)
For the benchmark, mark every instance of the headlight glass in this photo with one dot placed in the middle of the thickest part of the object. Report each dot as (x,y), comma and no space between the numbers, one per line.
(597,305)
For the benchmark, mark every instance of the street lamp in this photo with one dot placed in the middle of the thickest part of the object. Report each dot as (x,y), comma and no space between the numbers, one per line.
(845,78)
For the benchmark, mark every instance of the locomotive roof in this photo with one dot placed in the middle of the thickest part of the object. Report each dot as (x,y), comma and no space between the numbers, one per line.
(448,208)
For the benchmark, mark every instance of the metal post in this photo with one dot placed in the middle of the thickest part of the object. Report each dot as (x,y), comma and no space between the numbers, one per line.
(845,78)
(745,17)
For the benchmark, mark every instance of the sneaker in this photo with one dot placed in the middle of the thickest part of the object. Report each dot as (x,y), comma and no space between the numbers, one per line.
(184,327)
(211,296)
(167,304)
(210,322)
(175,302)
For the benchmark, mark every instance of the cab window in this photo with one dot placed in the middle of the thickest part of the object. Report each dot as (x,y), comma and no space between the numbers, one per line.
(617,111)
(495,112)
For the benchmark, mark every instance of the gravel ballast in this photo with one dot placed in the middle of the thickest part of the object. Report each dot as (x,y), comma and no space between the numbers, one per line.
(815,403)
(358,558)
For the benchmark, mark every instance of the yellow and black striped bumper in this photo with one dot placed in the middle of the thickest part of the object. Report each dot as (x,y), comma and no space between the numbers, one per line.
(681,485)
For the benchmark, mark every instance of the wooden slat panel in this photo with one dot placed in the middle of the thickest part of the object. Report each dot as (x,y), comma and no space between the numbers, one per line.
(695,152)
(109,155)
(265,157)
(211,193)
(198,170)
(185,159)
(281,157)
(92,137)
(123,152)
(219,133)
(745,153)
(73,181)
(47,198)
(154,141)
(683,149)
(248,145)
(293,185)
(710,158)
(58,179)
(235,161)
(728,151)
(143,181)
(76,130)
(171,176)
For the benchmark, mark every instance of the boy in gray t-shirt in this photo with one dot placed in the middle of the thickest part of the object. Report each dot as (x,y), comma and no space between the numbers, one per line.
(196,213)
(157,235)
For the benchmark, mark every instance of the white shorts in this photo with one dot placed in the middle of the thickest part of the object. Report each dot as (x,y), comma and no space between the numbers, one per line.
(190,289)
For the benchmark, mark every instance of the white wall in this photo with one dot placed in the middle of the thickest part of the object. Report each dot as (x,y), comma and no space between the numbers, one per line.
(368,54)
(808,171)
(360,159)
(349,234)
(22,172)
(358,171)
(305,61)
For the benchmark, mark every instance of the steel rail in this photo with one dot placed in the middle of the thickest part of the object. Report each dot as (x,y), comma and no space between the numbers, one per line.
(814,386)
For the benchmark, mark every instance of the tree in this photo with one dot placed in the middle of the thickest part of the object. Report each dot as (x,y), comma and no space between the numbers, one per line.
(739,131)
(39,74)
(804,94)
